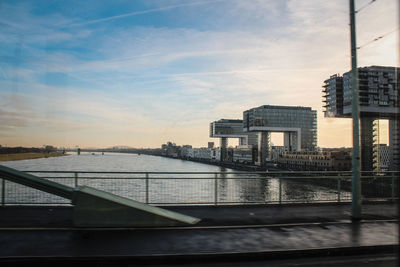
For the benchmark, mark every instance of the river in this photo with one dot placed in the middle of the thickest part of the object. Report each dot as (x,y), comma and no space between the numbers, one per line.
(232,186)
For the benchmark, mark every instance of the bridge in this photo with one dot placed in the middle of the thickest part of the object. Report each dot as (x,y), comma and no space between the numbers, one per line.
(280,230)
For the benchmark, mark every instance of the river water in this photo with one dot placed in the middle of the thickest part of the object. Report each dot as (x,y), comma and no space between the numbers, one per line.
(232,186)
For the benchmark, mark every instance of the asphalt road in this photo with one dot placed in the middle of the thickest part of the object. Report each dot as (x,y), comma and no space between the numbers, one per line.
(290,235)
(384,260)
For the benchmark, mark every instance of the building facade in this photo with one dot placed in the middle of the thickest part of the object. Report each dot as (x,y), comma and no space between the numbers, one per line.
(227,128)
(334,99)
(378,98)
(381,157)
(243,154)
(299,125)
(316,161)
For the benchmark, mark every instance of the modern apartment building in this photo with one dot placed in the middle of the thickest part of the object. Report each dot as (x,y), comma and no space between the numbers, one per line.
(378,98)
(316,161)
(334,99)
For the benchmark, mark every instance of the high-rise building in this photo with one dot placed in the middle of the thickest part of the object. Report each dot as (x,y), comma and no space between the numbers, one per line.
(334,100)
(299,125)
(378,98)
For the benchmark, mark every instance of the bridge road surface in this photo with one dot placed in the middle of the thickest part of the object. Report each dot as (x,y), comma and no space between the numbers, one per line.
(227,233)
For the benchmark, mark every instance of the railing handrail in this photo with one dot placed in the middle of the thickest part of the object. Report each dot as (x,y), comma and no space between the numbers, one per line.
(236,173)
(217,178)
(220,178)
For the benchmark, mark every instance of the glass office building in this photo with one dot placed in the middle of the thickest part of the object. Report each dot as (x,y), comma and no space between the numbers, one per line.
(299,122)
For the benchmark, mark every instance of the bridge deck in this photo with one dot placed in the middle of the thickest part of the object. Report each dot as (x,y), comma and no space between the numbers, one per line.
(46,233)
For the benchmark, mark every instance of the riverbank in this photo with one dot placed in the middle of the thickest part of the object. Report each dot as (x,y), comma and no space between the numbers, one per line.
(227,164)
(23,156)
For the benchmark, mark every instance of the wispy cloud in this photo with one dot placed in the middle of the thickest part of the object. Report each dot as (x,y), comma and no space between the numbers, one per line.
(145,84)
(141,12)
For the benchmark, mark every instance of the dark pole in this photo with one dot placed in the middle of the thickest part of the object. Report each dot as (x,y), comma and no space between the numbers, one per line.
(355,182)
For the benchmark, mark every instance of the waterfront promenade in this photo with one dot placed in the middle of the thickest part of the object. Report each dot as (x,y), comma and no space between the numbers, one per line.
(226,233)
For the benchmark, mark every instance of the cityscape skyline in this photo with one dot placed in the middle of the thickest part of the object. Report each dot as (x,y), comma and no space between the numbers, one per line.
(93,74)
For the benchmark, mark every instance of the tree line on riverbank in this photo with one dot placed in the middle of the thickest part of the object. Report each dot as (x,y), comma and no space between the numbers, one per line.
(20,149)
(22,153)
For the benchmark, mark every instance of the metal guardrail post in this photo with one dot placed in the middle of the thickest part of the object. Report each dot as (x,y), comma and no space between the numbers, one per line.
(280,190)
(215,189)
(3,192)
(265,197)
(338,188)
(393,194)
(76,179)
(147,188)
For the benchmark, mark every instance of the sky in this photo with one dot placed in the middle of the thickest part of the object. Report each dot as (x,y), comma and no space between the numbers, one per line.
(140,73)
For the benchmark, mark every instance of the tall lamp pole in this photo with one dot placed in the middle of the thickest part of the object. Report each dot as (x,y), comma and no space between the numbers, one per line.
(356,155)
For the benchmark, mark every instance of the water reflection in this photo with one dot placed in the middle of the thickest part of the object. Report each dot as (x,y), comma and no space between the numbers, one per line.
(297,191)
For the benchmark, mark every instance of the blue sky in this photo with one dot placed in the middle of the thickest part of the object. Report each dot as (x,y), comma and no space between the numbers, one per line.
(140,73)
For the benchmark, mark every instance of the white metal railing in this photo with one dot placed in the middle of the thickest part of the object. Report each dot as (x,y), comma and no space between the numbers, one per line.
(210,188)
